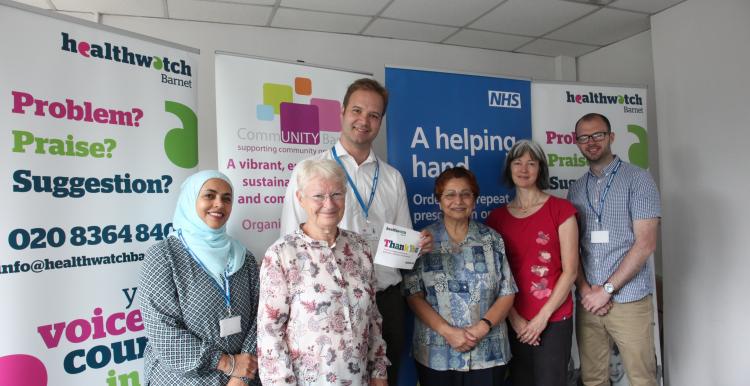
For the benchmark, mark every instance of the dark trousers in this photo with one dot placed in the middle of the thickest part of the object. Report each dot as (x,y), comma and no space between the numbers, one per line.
(546,364)
(391,306)
(493,376)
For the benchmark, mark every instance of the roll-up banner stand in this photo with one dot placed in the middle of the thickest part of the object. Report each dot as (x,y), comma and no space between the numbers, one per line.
(555,109)
(437,120)
(100,128)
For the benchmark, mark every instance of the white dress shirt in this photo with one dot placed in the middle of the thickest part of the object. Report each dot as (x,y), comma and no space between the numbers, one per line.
(388,206)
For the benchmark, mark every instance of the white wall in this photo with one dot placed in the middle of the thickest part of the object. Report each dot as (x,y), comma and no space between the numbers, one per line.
(702,67)
(364,54)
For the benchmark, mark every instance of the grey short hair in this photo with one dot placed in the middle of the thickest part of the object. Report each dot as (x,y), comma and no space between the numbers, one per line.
(320,168)
(537,154)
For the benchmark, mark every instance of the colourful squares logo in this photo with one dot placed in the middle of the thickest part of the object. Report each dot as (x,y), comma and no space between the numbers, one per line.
(299,124)
(275,94)
(264,112)
(22,370)
(329,114)
(302,86)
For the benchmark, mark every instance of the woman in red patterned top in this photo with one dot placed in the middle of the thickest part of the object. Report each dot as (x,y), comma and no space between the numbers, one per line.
(541,240)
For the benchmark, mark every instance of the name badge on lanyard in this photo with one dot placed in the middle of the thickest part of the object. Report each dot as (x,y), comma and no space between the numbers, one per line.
(232,324)
(601,236)
(370,232)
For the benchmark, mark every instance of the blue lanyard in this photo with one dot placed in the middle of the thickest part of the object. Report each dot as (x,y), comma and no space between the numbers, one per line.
(227,294)
(604,194)
(365,209)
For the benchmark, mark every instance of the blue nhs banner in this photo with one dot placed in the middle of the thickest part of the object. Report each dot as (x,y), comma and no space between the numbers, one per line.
(437,120)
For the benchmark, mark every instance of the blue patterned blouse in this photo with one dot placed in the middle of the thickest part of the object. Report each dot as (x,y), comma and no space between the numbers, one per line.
(461,282)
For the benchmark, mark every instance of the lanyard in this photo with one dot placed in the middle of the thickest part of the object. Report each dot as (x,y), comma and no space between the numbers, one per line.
(227,294)
(604,194)
(365,209)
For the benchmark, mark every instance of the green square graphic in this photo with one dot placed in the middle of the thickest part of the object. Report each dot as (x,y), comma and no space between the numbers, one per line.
(274,94)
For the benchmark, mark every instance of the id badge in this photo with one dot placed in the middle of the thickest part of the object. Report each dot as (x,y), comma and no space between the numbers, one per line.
(370,233)
(600,237)
(230,326)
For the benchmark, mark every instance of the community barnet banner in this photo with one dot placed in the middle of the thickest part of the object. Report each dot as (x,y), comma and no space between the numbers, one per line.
(270,116)
(438,120)
(555,109)
(100,132)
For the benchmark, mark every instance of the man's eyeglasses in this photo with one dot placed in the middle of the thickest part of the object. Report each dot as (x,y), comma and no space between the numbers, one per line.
(452,195)
(597,137)
(321,198)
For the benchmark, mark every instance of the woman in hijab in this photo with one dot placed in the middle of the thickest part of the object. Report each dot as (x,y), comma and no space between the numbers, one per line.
(198,293)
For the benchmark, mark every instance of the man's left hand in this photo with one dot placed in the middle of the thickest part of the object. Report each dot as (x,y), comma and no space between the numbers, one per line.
(595,299)
(425,242)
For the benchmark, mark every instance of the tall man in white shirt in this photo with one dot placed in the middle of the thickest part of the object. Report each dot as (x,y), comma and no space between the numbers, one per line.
(376,195)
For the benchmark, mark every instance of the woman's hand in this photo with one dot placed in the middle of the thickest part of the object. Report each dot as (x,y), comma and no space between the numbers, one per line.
(378,382)
(245,365)
(478,330)
(520,326)
(531,333)
(234,381)
(460,339)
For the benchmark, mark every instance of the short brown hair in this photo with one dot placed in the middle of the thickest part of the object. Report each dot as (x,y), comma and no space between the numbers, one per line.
(456,172)
(367,84)
(590,117)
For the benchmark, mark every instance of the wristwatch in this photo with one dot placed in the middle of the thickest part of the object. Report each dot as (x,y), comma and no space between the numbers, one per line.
(609,287)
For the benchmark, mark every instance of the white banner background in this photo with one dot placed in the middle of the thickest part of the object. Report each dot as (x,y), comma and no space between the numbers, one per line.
(62,323)
(254,151)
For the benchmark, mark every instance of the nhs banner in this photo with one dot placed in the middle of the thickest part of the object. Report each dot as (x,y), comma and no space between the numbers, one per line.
(437,120)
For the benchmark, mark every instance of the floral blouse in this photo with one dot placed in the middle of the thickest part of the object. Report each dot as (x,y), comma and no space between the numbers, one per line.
(461,282)
(318,322)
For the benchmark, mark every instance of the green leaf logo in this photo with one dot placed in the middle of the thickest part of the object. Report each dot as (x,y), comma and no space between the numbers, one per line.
(181,144)
(638,152)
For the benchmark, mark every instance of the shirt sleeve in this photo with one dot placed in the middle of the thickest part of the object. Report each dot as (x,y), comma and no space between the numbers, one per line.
(377,362)
(292,213)
(274,360)
(412,279)
(563,210)
(178,349)
(644,197)
(403,218)
(507,283)
(251,340)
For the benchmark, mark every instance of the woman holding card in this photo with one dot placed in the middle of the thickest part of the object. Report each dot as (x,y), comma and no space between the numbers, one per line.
(460,292)
(541,237)
(198,293)
(318,322)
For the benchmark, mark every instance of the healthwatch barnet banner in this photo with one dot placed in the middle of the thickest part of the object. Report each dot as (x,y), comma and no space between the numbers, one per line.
(437,120)
(100,131)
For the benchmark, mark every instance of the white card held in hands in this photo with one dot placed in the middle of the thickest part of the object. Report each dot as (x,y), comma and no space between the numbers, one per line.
(398,247)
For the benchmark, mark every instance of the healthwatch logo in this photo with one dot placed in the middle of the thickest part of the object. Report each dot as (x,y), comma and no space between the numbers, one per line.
(504,99)
(122,54)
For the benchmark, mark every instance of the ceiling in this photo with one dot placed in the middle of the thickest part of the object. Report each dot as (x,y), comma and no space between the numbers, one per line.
(540,27)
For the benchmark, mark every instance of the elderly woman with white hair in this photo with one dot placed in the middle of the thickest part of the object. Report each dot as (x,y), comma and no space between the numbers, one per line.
(318,322)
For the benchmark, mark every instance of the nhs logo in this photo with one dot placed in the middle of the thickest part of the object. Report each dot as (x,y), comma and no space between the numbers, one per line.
(504,99)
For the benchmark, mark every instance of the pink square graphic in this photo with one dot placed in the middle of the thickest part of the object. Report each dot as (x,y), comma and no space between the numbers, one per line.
(330,114)
(299,123)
